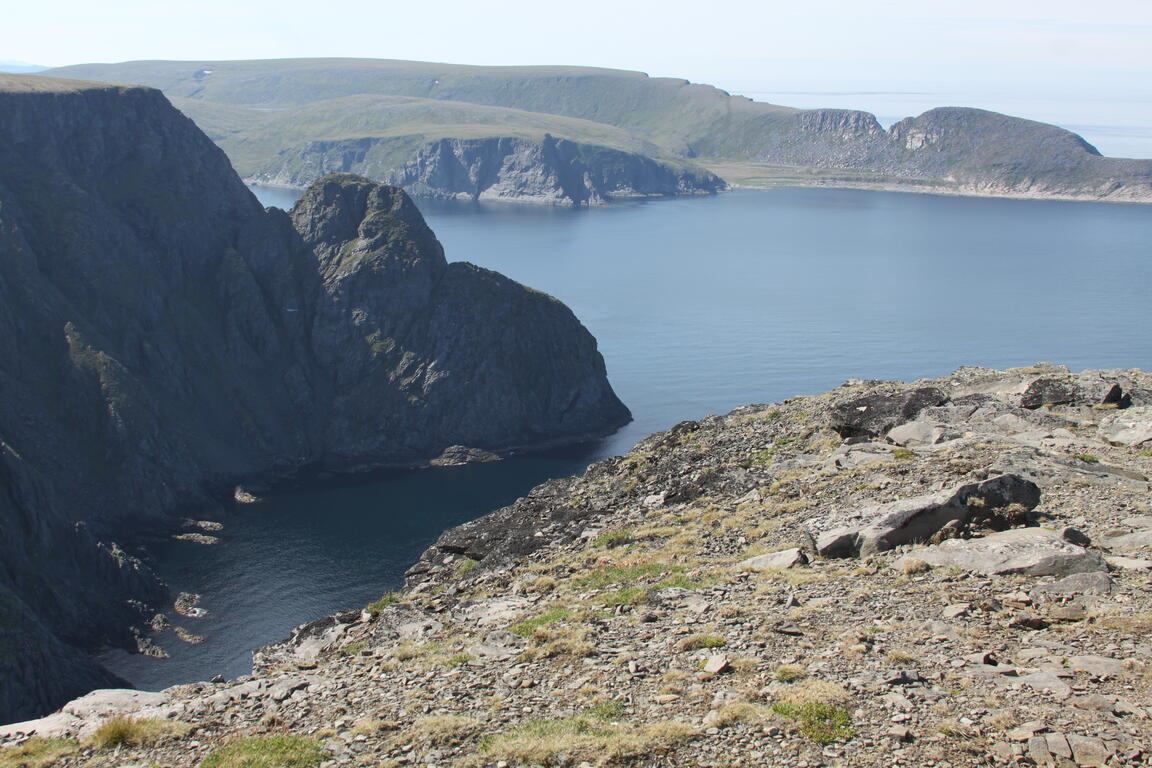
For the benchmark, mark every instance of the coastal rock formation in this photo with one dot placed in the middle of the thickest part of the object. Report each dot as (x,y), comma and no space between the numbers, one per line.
(669,607)
(258,111)
(552,171)
(162,337)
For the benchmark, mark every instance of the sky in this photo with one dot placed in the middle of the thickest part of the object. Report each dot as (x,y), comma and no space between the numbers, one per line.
(1064,61)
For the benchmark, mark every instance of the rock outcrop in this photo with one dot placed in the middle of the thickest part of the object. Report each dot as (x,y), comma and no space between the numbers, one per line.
(551,171)
(162,337)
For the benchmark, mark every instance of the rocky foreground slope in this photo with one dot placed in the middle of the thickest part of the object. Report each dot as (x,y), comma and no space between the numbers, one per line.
(163,337)
(952,572)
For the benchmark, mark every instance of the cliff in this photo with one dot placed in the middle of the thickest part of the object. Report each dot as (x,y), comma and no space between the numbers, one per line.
(552,171)
(162,337)
(260,110)
(944,572)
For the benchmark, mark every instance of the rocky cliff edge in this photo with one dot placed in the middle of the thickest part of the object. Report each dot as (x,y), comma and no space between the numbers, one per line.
(163,337)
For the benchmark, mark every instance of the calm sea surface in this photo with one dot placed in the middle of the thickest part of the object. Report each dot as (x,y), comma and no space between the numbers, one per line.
(699,305)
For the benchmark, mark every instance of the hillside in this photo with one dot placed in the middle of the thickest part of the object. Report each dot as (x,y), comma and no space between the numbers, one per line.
(265,113)
(163,337)
(948,572)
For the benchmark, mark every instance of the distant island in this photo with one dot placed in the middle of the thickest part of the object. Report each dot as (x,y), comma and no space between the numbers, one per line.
(578,135)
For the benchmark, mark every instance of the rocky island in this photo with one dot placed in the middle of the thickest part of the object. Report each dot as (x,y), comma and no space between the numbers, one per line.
(948,572)
(164,337)
(579,135)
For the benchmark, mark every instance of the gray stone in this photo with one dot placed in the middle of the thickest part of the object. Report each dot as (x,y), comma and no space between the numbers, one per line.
(916,433)
(1099,666)
(113,701)
(1089,751)
(881,527)
(1028,551)
(1129,427)
(1130,542)
(786,558)
(1088,583)
(874,415)
(1128,563)
(1046,681)
(716,664)
(55,726)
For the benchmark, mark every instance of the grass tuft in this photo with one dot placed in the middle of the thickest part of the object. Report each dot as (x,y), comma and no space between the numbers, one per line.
(126,731)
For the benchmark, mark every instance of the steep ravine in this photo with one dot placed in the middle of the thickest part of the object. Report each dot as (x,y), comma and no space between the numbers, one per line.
(162,336)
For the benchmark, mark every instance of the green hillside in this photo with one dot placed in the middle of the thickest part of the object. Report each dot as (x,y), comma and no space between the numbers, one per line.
(282,118)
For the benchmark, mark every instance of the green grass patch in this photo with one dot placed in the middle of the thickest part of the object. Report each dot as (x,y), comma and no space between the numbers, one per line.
(527,627)
(697,642)
(276,751)
(615,574)
(1087,457)
(613,539)
(37,752)
(464,566)
(819,721)
(624,596)
(374,608)
(903,454)
(605,710)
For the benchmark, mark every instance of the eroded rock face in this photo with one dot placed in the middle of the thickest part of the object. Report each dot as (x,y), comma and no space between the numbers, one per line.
(163,336)
(552,171)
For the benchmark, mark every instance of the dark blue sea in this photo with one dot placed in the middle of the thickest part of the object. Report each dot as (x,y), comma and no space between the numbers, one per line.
(699,305)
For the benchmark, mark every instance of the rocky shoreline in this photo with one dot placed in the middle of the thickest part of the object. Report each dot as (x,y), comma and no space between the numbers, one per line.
(950,572)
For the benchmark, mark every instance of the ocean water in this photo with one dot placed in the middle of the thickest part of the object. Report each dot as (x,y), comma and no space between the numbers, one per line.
(699,305)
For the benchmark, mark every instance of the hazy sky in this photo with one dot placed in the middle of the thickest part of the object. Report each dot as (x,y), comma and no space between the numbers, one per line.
(1095,58)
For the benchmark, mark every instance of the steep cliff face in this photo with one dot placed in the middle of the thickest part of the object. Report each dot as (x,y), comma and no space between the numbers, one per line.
(162,335)
(553,171)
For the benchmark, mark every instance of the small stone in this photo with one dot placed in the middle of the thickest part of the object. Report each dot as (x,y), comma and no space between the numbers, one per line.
(955,611)
(1038,750)
(665,698)
(716,664)
(1058,745)
(787,558)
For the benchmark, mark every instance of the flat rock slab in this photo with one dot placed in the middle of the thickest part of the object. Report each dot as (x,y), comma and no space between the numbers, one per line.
(1130,542)
(1129,427)
(1088,583)
(1027,551)
(773,561)
(56,726)
(108,702)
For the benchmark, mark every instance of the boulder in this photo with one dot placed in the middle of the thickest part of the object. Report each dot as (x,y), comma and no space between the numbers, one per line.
(881,527)
(1027,551)
(875,415)
(1050,391)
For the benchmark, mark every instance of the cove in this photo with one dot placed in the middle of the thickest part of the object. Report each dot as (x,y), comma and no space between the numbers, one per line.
(699,305)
